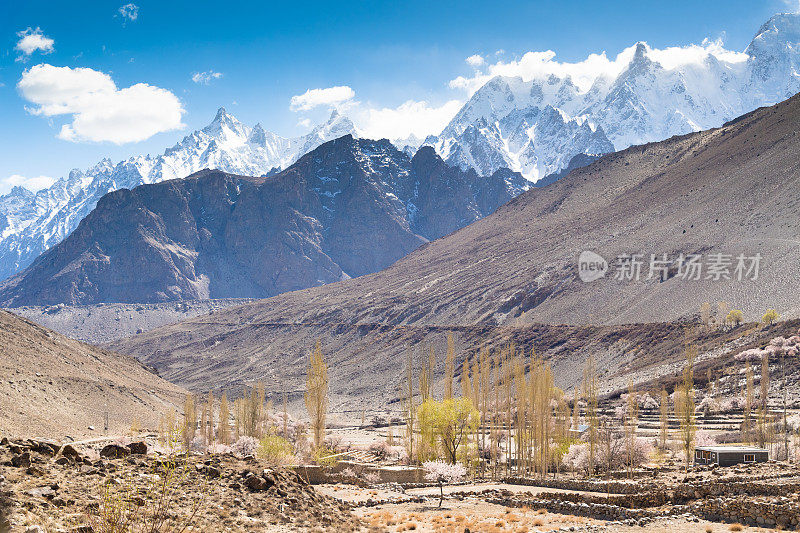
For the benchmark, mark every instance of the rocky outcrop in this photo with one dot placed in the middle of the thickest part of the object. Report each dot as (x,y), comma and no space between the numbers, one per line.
(351,207)
(69,494)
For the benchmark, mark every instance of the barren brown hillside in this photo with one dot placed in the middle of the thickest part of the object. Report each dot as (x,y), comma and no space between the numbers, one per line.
(731,190)
(52,386)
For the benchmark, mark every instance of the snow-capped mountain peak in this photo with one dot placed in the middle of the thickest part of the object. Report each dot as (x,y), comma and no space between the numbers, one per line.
(30,223)
(654,95)
(226,127)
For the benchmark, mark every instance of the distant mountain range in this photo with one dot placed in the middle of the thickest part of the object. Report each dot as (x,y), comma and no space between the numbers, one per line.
(347,208)
(30,223)
(514,276)
(538,128)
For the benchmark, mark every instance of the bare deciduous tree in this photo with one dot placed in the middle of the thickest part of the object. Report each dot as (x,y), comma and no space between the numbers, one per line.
(317,393)
(685,405)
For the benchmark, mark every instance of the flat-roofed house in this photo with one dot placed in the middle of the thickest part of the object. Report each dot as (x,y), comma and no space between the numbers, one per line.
(729,455)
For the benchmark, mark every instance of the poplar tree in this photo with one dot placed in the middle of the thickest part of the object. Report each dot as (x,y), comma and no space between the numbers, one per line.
(576,410)
(286,416)
(663,420)
(203,422)
(410,407)
(210,419)
(590,393)
(705,313)
(190,421)
(723,309)
(223,424)
(426,443)
(449,367)
(631,426)
(763,413)
(685,406)
(317,393)
(748,405)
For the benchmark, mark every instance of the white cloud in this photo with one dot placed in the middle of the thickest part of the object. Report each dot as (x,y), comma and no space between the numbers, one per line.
(206,77)
(540,65)
(129,12)
(100,111)
(329,97)
(677,56)
(417,118)
(410,118)
(475,60)
(32,40)
(32,183)
(794,5)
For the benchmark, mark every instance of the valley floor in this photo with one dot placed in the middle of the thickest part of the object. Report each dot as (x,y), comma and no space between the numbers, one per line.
(47,487)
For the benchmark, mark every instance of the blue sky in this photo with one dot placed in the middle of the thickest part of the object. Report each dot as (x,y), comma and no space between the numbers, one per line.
(386,53)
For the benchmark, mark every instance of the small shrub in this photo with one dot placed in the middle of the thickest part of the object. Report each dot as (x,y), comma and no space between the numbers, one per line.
(218,449)
(335,445)
(245,446)
(736,527)
(380,450)
(324,456)
(275,450)
(441,473)
(704,438)
(160,506)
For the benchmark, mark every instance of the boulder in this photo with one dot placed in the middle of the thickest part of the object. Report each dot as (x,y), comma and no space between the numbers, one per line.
(138,448)
(88,470)
(41,492)
(22,460)
(114,451)
(69,451)
(258,483)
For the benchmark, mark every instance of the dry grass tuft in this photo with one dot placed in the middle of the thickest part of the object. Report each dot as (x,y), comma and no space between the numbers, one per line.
(736,527)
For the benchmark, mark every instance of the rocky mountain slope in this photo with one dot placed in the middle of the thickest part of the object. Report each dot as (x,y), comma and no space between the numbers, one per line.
(348,208)
(31,223)
(727,191)
(54,386)
(102,323)
(535,126)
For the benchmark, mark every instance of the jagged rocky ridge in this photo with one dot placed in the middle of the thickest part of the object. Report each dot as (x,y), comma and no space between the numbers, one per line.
(348,208)
(537,126)
(513,276)
(30,223)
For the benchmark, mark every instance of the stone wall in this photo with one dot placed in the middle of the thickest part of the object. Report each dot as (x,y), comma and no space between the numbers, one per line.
(403,475)
(613,487)
(757,503)
(782,512)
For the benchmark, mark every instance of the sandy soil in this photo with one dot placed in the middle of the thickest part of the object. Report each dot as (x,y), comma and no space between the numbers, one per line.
(471,513)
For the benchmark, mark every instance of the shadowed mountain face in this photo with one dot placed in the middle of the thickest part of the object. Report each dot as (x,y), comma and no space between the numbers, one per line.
(349,208)
(733,190)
